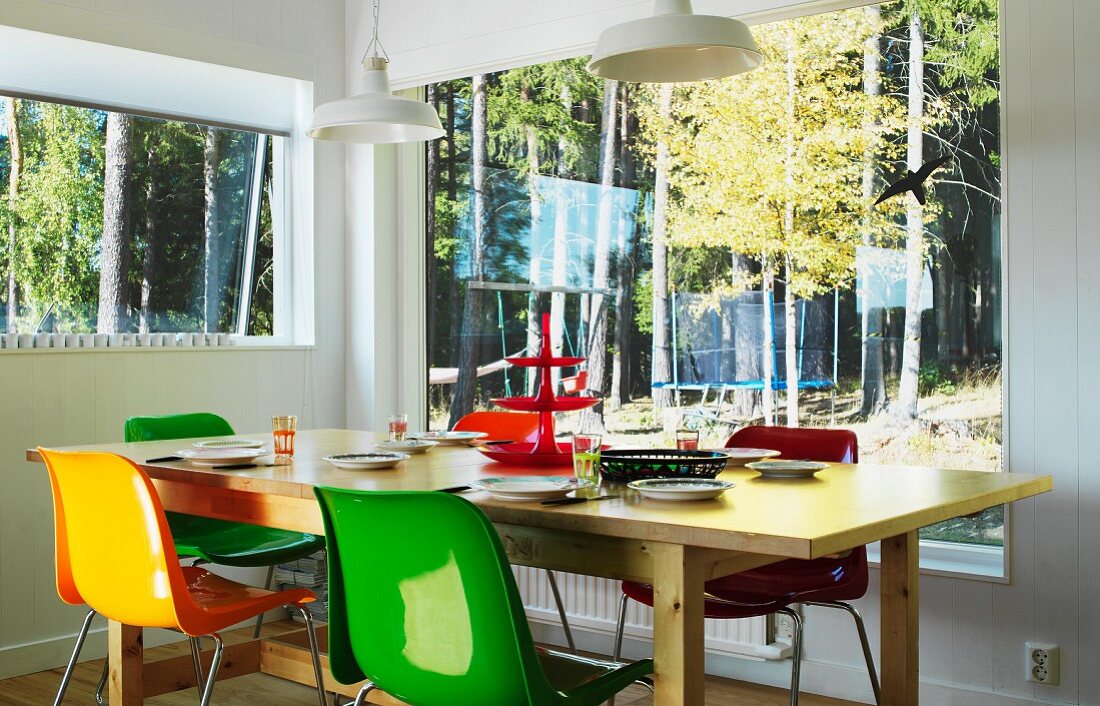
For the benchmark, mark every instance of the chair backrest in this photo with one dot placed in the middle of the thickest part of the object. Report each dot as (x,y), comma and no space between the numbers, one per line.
(423,603)
(176,426)
(114,551)
(828,445)
(514,426)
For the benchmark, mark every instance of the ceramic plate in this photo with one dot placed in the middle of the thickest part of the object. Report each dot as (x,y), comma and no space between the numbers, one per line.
(525,488)
(680,488)
(787,469)
(741,457)
(408,446)
(228,444)
(448,438)
(221,457)
(366,462)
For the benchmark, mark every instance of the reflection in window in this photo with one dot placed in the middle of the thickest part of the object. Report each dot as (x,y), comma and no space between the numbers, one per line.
(713,249)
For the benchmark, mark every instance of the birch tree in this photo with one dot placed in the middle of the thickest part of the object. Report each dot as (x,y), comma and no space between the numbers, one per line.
(211,273)
(15,170)
(114,262)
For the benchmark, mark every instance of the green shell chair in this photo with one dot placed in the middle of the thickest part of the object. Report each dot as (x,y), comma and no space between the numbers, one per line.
(423,605)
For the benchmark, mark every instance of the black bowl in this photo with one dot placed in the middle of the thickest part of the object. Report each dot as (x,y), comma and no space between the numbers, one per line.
(630,465)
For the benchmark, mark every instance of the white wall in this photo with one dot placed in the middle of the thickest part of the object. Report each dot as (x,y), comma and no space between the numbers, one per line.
(972,632)
(60,398)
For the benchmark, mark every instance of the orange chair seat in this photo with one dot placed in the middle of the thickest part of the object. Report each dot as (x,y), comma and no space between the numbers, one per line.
(222,602)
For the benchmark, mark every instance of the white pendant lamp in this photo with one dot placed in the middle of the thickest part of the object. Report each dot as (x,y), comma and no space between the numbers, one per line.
(675,46)
(375,115)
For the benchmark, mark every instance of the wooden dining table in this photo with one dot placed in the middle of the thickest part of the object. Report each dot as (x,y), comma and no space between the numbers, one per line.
(676,547)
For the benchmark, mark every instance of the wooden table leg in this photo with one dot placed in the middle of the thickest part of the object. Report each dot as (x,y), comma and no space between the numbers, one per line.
(900,597)
(126,653)
(678,626)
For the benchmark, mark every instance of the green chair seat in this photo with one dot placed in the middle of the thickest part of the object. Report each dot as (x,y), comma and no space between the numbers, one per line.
(424,606)
(219,541)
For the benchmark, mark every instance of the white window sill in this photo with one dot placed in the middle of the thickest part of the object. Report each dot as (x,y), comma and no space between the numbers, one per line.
(117,343)
(967,561)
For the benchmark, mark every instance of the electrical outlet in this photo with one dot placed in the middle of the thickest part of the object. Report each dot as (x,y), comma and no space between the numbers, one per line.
(784,627)
(1043,663)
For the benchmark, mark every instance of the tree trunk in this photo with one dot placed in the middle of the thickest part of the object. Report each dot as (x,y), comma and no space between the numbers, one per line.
(211,271)
(432,169)
(15,171)
(624,290)
(151,258)
(534,273)
(466,387)
(790,339)
(662,351)
(114,259)
(597,337)
(560,263)
(914,220)
(767,287)
(745,366)
(875,397)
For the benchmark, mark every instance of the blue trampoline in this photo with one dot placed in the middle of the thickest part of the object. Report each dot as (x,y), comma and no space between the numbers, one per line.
(718,343)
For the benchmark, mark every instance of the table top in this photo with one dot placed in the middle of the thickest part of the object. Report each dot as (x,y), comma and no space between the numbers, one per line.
(844,506)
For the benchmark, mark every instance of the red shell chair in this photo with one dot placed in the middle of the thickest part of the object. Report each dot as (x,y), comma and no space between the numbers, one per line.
(827,582)
(516,426)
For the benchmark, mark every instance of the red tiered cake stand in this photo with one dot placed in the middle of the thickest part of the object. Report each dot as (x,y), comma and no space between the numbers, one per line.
(545,450)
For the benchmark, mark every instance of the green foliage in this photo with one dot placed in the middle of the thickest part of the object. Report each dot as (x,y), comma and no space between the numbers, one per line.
(937,377)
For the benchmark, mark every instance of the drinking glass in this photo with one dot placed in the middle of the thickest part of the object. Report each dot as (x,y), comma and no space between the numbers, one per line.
(283,429)
(687,440)
(399,426)
(586,456)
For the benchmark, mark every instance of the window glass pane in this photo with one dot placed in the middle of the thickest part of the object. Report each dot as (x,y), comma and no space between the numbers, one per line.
(125,224)
(715,250)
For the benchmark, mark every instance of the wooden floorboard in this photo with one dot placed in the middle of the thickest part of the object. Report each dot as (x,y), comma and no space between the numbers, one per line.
(262,689)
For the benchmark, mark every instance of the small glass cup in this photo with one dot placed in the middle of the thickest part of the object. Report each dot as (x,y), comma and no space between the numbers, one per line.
(283,429)
(687,440)
(586,457)
(399,426)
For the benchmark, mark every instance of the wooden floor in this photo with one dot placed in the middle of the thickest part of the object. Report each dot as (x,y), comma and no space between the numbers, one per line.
(262,689)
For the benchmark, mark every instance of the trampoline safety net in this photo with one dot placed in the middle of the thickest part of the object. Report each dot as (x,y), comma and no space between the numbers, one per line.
(719,340)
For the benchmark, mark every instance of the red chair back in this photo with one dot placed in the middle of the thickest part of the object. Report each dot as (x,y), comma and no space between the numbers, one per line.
(827,445)
(513,426)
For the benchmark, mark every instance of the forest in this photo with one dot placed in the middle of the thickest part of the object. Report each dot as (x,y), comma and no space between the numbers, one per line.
(603,203)
(115,223)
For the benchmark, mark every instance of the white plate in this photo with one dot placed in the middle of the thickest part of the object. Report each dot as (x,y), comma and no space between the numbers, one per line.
(408,446)
(787,469)
(680,488)
(526,488)
(228,444)
(448,438)
(221,457)
(366,462)
(741,456)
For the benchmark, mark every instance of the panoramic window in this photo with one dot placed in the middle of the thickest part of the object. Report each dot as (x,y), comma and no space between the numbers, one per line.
(717,251)
(122,224)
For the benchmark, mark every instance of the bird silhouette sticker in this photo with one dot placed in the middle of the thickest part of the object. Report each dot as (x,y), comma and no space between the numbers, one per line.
(914,182)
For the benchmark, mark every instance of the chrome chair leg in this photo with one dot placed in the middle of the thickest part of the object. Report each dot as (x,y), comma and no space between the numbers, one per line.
(868,657)
(267,587)
(561,610)
(67,677)
(215,665)
(314,652)
(619,629)
(361,698)
(102,682)
(796,658)
(196,652)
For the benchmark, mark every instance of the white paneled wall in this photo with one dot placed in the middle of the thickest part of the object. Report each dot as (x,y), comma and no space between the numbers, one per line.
(59,397)
(973,632)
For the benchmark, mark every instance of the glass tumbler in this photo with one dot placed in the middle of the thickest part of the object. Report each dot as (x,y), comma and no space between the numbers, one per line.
(399,426)
(283,429)
(586,457)
(687,440)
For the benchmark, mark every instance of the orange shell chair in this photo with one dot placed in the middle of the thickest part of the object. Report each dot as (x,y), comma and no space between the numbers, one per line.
(114,553)
(501,426)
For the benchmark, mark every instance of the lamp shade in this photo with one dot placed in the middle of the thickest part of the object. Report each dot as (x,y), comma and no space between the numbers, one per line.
(375,116)
(675,46)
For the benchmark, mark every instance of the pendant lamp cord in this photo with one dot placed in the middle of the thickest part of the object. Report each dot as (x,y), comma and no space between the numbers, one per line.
(375,48)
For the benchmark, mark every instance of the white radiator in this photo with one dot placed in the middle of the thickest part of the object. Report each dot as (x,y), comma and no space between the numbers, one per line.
(593,606)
